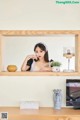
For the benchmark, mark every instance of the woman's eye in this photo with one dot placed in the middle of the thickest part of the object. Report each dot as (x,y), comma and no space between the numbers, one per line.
(36,51)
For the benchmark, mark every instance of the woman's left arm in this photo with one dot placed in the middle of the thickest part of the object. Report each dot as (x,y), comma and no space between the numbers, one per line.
(46,69)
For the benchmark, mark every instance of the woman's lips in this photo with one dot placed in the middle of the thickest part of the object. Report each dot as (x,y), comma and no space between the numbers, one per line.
(39,56)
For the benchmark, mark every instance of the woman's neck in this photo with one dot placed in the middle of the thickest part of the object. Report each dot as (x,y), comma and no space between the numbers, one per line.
(42,60)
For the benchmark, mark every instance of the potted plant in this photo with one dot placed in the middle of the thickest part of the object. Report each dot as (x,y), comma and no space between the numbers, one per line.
(55,66)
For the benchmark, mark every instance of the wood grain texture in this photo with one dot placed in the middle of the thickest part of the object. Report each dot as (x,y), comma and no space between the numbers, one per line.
(1,53)
(77,52)
(36,32)
(39,74)
(14,113)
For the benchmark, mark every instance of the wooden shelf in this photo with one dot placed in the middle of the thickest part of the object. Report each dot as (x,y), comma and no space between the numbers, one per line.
(39,74)
(36,32)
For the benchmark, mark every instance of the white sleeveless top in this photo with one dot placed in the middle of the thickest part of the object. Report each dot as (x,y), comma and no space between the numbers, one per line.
(34,67)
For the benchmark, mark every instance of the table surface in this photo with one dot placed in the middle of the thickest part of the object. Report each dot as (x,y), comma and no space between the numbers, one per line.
(41,111)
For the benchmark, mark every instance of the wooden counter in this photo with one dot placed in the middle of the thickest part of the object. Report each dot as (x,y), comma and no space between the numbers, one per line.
(14,113)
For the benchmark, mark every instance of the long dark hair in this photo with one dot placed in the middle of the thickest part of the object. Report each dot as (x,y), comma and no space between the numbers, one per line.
(43,48)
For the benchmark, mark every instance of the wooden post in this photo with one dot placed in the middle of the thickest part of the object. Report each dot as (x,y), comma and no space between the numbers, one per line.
(77,53)
(0,53)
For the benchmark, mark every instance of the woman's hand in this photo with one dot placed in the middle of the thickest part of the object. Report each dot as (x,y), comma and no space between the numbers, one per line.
(31,57)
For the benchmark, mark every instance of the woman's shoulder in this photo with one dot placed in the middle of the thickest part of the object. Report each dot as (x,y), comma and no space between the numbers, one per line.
(48,64)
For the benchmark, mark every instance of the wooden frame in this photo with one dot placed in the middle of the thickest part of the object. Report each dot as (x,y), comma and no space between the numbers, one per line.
(41,33)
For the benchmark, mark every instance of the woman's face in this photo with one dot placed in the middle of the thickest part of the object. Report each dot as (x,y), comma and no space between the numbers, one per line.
(39,53)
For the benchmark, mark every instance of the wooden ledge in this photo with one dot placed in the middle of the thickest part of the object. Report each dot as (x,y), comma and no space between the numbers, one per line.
(39,74)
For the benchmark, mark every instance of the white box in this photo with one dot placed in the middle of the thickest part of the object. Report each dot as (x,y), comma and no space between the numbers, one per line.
(29,105)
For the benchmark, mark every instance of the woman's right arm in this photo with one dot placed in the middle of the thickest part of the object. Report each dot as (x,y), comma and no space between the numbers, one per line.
(24,66)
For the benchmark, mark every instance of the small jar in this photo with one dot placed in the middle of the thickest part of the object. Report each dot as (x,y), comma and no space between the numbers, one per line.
(11,68)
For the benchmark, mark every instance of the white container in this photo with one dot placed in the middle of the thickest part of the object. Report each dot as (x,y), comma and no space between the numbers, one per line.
(29,105)
(56,68)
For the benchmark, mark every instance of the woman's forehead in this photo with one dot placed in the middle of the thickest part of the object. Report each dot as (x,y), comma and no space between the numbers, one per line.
(38,48)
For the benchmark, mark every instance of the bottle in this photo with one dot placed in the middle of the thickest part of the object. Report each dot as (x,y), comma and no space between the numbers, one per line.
(57,98)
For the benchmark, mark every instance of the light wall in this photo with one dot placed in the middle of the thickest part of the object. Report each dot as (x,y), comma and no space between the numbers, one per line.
(31,15)
(38,14)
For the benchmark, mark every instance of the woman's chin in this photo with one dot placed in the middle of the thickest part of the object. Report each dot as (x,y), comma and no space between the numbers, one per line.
(41,59)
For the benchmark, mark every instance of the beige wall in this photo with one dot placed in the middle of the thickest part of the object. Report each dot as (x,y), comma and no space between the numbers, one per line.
(30,15)
(38,14)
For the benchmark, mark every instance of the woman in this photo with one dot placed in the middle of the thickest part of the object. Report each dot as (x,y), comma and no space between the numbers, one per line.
(37,62)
